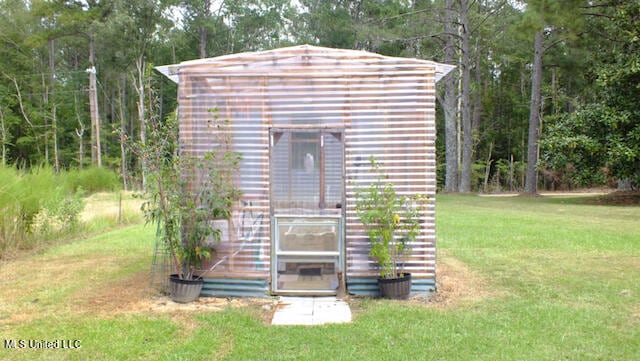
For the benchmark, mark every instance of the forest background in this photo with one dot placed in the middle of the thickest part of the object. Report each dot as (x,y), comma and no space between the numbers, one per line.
(544,95)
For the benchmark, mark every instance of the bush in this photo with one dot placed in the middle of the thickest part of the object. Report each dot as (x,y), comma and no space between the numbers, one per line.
(38,203)
(58,213)
(23,195)
(38,186)
(8,187)
(12,234)
(92,180)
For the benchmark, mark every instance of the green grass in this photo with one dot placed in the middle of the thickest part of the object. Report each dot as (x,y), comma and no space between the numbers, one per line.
(559,281)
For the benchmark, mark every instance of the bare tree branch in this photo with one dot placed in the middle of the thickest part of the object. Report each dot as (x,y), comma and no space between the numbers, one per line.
(490,14)
(22,109)
(599,15)
(604,5)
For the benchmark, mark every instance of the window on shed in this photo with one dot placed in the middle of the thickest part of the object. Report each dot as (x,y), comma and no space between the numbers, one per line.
(305,151)
(306,169)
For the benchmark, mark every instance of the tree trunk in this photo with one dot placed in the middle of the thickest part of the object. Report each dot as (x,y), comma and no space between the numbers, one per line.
(54,128)
(140,67)
(96,156)
(449,104)
(23,111)
(45,100)
(202,30)
(465,67)
(3,134)
(487,170)
(123,124)
(203,42)
(52,99)
(531,182)
(554,91)
(476,117)
(79,133)
(511,172)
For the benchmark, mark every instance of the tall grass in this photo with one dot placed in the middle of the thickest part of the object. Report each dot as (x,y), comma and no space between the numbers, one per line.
(105,210)
(37,204)
(91,180)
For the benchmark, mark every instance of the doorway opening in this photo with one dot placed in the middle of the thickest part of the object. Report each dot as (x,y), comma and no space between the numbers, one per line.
(307,194)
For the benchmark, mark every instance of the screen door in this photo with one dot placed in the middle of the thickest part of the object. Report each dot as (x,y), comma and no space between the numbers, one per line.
(306,209)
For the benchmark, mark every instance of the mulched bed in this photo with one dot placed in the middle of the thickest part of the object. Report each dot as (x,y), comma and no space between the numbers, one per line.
(618,198)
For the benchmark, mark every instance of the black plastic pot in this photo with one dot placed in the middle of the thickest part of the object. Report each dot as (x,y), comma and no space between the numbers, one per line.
(184,291)
(395,288)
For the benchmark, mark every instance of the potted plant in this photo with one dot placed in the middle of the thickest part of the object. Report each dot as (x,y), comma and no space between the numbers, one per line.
(392,223)
(185,194)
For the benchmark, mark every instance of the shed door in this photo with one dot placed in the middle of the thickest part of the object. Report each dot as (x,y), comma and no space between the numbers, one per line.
(307,192)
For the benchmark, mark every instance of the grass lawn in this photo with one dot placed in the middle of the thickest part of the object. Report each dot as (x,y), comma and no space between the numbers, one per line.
(519,278)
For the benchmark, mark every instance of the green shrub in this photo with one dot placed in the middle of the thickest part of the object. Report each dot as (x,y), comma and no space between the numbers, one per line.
(39,186)
(92,180)
(23,195)
(12,230)
(9,185)
(59,213)
(37,204)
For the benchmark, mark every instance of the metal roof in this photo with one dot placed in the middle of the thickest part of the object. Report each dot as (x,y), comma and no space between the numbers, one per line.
(290,57)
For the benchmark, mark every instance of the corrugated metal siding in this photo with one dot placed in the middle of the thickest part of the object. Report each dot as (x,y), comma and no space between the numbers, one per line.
(385,106)
(404,146)
(368,286)
(247,251)
(235,287)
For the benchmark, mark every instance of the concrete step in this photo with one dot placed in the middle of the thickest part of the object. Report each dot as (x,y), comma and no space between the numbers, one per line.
(311,311)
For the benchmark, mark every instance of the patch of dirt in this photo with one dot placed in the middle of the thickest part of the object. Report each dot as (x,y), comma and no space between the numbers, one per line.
(618,198)
(162,304)
(15,318)
(132,295)
(558,193)
(456,285)
(578,192)
(598,196)
(115,297)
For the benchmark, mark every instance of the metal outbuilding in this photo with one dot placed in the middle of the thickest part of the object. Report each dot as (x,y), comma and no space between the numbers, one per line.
(306,120)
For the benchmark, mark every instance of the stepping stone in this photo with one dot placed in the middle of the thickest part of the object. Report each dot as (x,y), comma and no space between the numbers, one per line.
(311,311)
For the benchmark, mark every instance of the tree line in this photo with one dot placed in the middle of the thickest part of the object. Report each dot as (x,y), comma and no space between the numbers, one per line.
(544,93)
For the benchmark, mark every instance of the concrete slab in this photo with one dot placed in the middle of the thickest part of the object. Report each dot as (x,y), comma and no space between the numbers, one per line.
(311,311)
